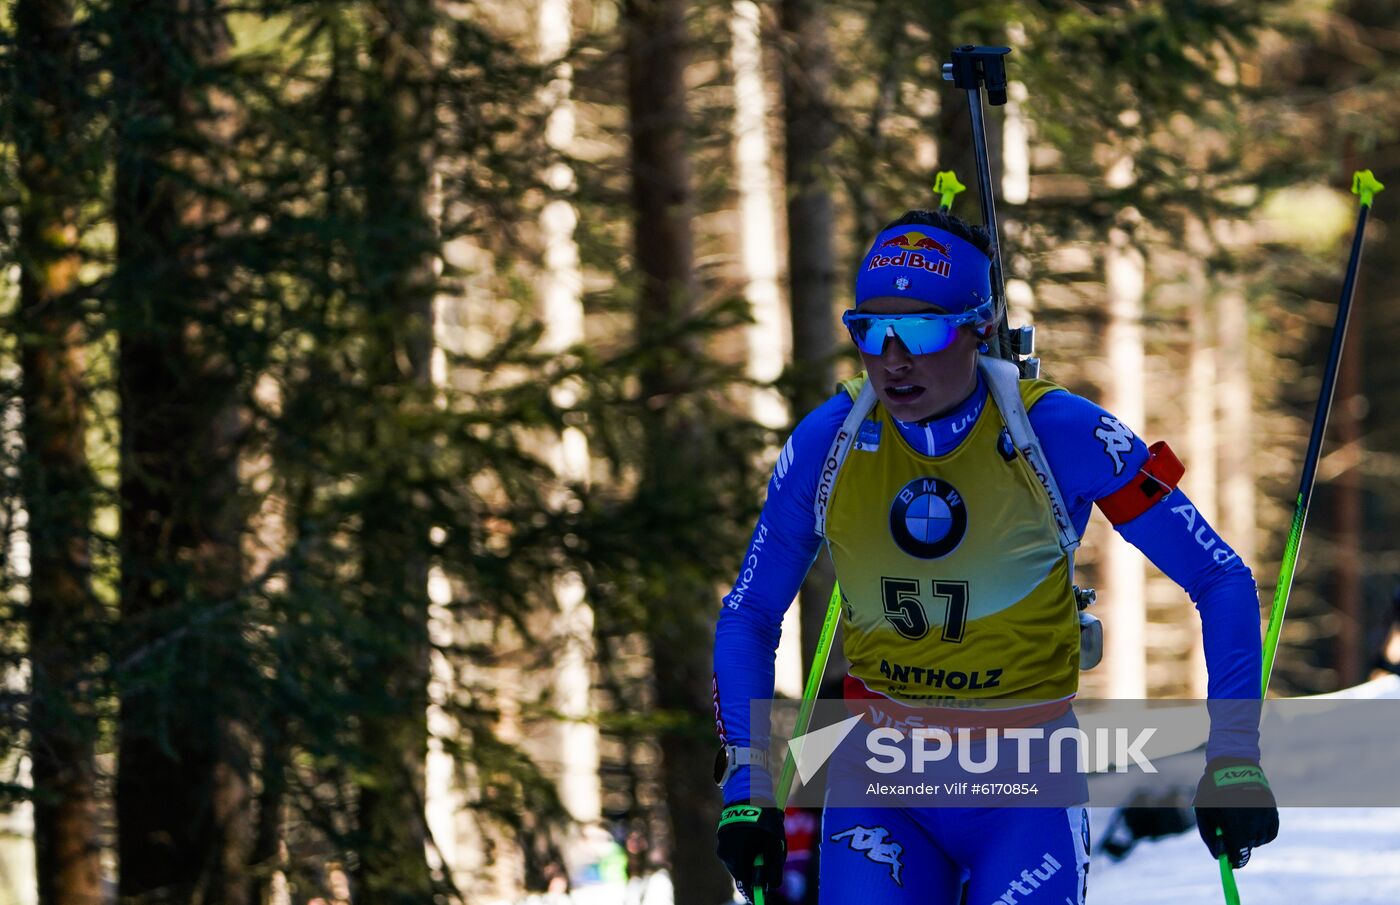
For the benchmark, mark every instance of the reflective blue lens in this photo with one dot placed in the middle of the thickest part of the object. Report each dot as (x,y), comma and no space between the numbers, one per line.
(921,334)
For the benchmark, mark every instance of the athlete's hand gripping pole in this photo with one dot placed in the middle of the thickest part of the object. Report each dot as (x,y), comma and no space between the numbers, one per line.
(757,815)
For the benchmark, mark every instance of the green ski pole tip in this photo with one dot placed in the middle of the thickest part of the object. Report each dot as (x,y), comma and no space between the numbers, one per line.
(1363,183)
(947,187)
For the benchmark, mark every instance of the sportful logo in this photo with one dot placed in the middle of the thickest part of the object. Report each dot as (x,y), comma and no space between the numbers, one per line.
(784,462)
(871,840)
(1116,439)
(1029,881)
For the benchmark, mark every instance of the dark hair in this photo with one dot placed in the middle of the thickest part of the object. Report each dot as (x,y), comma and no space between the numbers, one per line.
(975,235)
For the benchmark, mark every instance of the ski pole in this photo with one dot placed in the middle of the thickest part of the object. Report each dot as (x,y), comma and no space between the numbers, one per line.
(1365,185)
(1227,876)
(809,694)
(804,713)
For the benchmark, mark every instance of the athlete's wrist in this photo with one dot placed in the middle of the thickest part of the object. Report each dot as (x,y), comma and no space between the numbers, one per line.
(749,784)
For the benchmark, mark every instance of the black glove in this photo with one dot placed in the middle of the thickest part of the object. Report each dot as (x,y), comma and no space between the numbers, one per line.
(747,831)
(1235,810)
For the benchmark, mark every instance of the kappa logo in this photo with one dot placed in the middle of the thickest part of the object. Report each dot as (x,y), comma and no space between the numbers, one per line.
(1116,440)
(871,840)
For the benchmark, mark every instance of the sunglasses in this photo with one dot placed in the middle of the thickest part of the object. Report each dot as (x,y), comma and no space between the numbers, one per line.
(921,334)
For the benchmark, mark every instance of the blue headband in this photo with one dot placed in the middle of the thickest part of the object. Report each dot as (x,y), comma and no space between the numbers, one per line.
(928,264)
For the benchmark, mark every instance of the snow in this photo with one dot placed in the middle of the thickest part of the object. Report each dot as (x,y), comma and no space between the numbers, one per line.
(1336,856)
(1332,856)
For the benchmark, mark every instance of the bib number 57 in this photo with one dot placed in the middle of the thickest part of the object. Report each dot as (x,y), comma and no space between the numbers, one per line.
(904,608)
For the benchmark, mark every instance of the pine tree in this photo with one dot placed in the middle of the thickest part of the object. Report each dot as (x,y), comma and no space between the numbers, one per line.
(182,790)
(676,449)
(398,279)
(64,616)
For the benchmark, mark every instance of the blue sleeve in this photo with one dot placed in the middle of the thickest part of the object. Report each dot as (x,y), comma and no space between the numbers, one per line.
(1092,455)
(780,553)
(1090,452)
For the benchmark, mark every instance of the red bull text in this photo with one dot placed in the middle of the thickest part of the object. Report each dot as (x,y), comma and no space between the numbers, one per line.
(911,259)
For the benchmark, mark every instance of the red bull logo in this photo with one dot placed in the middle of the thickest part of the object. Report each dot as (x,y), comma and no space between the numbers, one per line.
(916,259)
(917,241)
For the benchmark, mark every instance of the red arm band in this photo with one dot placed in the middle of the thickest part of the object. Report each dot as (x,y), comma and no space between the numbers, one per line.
(1157,478)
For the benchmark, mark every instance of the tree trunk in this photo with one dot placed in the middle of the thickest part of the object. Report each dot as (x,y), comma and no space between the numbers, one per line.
(399,280)
(808,130)
(1349,586)
(768,336)
(768,339)
(656,49)
(1125,616)
(1201,442)
(808,133)
(182,790)
(1237,478)
(561,288)
(57,484)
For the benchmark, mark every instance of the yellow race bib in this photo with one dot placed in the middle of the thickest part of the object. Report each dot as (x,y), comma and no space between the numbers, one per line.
(954,583)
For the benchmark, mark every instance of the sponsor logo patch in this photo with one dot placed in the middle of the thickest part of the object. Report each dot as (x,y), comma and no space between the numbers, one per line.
(784,462)
(914,240)
(1116,440)
(741,587)
(868,440)
(871,841)
(1030,880)
(928,518)
(1204,539)
(913,259)
(828,480)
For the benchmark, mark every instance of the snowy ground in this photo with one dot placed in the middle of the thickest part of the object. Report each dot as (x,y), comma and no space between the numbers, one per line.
(1333,856)
(1323,856)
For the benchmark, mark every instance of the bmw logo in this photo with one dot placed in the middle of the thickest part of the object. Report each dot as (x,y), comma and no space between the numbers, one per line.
(928,518)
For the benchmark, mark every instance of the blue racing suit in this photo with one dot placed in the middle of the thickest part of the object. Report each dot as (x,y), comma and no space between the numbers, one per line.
(1004,854)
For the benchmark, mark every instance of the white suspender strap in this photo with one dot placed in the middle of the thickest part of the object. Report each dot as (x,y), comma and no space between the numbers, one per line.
(1003,381)
(840,447)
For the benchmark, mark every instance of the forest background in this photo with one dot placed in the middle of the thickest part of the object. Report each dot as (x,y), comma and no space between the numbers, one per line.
(388,388)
